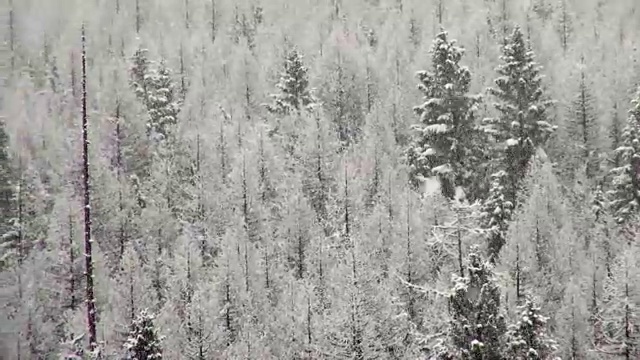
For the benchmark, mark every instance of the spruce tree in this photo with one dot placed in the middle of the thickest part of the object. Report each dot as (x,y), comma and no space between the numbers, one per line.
(443,145)
(620,309)
(582,129)
(495,215)
(140,74)
(294,95)
(143,342)
(519,129)
(7,220)
(477,325)
(155,88)
(625,179)
(527,338)
(163,104)
(521,125)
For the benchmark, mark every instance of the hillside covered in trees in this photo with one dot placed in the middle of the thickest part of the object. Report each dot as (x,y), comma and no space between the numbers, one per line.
(320,179)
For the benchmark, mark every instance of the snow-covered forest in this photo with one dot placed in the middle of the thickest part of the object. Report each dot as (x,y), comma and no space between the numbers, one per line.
(320,179)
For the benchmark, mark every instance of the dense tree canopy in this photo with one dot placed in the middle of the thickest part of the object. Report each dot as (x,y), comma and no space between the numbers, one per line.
(265,180)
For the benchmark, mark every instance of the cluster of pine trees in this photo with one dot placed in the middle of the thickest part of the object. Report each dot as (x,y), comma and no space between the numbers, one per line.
(206,179)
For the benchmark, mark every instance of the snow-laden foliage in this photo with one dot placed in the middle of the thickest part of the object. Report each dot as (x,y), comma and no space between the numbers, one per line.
(625,179)
(527,339)
(620,314)
(143,342)
(154,87)
(294,94)
(496,214)
(443,144)
(522,124)
(477,325)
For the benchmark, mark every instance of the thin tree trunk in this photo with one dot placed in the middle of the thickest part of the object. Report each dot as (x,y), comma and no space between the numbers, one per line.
(90,299)
(138,17)
(72,260)
(12,37)
(213,21)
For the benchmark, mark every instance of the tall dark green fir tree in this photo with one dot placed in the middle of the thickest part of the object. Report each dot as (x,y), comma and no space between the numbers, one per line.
(443,144)
(519,129)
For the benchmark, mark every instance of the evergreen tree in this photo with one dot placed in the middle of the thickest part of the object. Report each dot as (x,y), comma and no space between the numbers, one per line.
(444,145)
(163,104)
(140,74)
(582,129)
(527,339)
(620,313)
(143,342)
(8,233)
(496,214)
(477,325)
(625,179)
(155,88)
(294,95)
(522,124)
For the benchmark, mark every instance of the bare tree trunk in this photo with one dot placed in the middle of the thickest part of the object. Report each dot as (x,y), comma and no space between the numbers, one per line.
(90,299)
(138,18)
(213,21)
(20,252)
(187,20)
(12,37)
(72,260)
(122,232)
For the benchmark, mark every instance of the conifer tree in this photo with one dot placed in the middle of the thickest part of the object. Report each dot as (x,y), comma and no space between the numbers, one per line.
(527,338)
(140,74)
(582,128)
(294,96)
(444,145)
(495,215)
(522,125)
(620,316)
(615,135)
(155,88)
(477,325)
(163,104)
(143,343)
(625,179)
(7,205)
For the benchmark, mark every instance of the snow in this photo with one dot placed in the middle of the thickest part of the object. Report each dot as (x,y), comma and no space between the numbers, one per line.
(429,152)
(476,343)
(435,128)
(442,169)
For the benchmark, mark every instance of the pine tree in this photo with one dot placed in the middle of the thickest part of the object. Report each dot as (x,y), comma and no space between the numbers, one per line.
(522,124)
(140,74)
(143,343)
(163,104)
(477,325)
(444,145)
(620,315)
(155,88)
(625,179)
(7,203)
(582,128)
(294,96)
(527,338)
(496,214)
